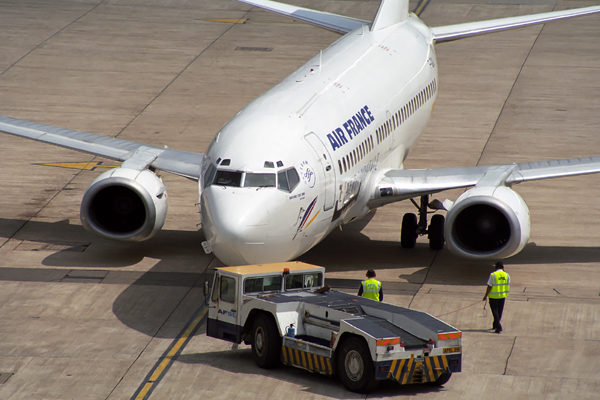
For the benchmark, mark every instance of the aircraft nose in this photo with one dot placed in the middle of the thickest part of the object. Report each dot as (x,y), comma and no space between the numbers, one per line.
(236,226)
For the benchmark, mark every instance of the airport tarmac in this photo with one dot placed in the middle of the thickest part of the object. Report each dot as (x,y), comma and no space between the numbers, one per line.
(86,318)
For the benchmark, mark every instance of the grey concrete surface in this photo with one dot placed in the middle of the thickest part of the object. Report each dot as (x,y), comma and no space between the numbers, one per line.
(85,318)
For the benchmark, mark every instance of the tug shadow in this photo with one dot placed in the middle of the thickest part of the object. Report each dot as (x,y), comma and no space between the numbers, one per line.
(240,363)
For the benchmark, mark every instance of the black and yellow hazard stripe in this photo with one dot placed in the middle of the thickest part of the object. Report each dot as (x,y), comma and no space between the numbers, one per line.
(434,367)
(307,361)
(408,370)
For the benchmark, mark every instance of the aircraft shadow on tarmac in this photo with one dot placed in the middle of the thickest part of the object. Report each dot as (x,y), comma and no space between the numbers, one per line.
(182,264)
(240,361)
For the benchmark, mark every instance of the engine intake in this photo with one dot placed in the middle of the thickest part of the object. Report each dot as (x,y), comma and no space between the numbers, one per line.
(125,204)
(488,223)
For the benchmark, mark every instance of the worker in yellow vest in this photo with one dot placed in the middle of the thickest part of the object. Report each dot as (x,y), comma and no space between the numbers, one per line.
(498,286)
(371,288)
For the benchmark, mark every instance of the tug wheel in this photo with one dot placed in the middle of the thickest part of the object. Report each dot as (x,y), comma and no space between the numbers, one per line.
(355,366)
(266,342)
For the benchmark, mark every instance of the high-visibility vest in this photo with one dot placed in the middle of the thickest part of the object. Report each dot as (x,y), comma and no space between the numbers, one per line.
(500,285)
(371,288)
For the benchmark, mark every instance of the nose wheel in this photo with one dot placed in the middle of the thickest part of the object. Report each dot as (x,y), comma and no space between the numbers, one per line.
(412,229)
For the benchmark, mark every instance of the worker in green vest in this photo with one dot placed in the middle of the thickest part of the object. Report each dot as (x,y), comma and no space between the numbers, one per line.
(498,286)
(371,288)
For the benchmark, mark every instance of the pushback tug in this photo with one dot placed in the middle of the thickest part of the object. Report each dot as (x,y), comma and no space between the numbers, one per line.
(287,314)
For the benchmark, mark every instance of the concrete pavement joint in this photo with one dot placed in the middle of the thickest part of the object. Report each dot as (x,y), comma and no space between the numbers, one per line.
(424,279)
(51,37)
(509,95)
(509,355)
(177,77)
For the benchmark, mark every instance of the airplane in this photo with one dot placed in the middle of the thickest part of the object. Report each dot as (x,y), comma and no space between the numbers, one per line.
(323,148)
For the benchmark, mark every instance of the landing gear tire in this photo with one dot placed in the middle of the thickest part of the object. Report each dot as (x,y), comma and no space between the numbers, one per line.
(266,342)
(355,366)
(436,232)
(408,235)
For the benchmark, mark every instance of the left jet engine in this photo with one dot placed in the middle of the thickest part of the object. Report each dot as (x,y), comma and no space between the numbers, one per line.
(125,204)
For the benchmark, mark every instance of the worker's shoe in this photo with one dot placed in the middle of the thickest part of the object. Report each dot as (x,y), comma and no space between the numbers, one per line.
(498,330)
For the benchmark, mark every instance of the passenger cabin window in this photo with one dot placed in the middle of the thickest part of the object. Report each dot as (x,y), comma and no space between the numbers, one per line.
(262,284)
(303,281)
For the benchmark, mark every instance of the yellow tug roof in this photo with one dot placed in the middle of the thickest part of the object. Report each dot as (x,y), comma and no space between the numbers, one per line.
(293,266)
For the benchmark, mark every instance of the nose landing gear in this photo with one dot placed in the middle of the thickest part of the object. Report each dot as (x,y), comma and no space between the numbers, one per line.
(411,229)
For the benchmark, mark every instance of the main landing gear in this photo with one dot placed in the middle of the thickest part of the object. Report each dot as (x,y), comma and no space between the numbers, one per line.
(411,229)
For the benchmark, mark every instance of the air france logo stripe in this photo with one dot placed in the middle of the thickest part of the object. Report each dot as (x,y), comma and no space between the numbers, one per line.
(352,127)
(307,213)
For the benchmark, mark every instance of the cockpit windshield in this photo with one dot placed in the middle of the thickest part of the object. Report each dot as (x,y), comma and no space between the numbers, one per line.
(285,180)
(259,180)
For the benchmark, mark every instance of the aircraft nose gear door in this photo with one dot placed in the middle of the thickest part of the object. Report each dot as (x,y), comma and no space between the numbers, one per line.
(327,166)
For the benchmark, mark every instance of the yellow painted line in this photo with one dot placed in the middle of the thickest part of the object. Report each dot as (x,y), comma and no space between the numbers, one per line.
(145,390)
(227,20)
(421,6)
(158,372)
(90,166)
(245,20)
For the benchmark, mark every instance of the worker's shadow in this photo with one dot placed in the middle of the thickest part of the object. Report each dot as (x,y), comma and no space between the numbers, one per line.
(240,363)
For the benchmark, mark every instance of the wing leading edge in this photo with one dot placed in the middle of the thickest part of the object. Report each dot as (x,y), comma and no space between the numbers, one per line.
(333,22)
(459,31)
(400,184)
(181,163)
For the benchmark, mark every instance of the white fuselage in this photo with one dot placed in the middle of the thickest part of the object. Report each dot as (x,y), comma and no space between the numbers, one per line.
(334,126)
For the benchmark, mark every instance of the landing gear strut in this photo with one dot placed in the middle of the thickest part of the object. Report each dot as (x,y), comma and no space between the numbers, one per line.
(411,229)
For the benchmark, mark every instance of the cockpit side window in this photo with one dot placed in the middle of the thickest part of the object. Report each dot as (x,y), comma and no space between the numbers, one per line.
(287,180)
(228,178)
(209,175)
(259,180)
(282,181)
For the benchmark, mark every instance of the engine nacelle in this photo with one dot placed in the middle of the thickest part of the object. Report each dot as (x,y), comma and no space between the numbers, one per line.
(125,204)
(488,223)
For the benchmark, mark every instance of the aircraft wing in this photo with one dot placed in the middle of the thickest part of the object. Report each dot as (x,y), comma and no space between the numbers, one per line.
(459,31)
(402,184)
(333,22)
(137,155)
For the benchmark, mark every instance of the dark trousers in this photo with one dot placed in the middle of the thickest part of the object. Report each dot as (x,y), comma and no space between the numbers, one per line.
(497,307)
